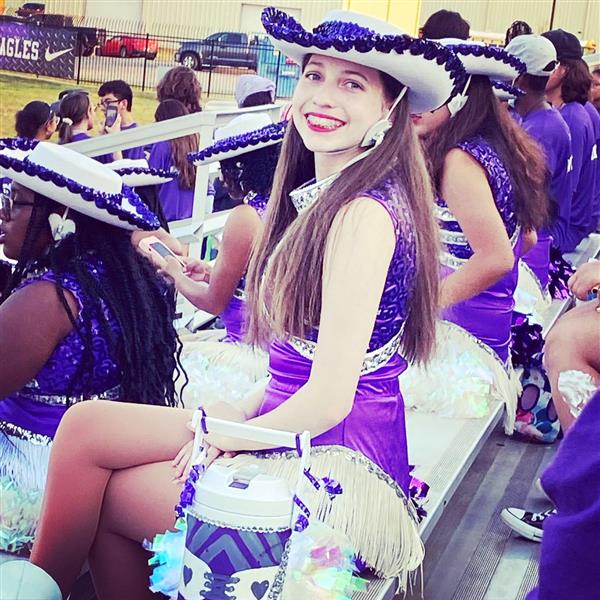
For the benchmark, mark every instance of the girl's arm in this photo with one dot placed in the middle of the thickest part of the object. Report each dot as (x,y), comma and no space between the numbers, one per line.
(469,197)
(242,227)
(32,324)
(357,256)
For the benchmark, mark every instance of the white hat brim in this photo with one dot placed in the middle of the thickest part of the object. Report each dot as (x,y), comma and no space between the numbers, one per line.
(493,62)
(126,215)
(219,156)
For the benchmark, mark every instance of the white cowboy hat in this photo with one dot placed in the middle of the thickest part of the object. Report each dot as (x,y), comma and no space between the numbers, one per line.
(75,181)
(245,133)
(481,59)
(136,172)
(429,71)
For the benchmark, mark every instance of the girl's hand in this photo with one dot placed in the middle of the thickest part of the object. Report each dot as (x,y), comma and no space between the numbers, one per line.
(197,270)
(182,463)
(172,270)
(585,279)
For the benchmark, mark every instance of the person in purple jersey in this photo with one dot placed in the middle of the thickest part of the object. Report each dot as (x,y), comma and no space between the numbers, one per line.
(76,115)
(490,182)
(595,119)
(119,94)
(545,124)
(176,196)
(568,90)
(570,557)
(344,277)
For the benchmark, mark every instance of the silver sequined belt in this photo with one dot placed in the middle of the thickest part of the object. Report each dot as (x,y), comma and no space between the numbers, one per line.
(113,393)
(373,360)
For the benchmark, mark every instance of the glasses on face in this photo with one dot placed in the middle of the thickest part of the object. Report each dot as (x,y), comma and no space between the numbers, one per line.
(107,102)
(8,202)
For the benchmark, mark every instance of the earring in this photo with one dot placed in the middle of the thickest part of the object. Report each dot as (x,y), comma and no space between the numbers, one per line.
(60,226)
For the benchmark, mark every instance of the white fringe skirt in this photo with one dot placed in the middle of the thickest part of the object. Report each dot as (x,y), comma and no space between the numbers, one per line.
(217,370)
(462,380)
(372,510)
(23,472)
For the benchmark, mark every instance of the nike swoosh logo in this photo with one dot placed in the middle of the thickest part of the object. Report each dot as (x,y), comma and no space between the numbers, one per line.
(50,56)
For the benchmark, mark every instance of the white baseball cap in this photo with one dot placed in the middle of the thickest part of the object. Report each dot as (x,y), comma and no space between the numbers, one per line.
(537,52)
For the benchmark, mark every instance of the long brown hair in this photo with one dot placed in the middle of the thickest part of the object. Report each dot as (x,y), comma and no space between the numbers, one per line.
(286,267)
(522,157)
(180,147)
(74,106)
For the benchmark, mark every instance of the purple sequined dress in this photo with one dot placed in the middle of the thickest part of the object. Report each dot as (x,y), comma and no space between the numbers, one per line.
(367,452)
(222,367)
(29,418)
(474,337)
(488,315)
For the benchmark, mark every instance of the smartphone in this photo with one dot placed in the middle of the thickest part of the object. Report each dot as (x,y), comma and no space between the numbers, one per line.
(111,115)
(158,251)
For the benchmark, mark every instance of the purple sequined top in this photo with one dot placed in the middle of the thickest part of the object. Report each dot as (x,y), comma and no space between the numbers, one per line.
(488,315)
(34,412)
(234,315)
(375,426)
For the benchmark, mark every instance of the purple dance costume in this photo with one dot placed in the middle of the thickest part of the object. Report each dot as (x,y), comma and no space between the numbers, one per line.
(367,452)
(474,336)
(223,367)
(29,418)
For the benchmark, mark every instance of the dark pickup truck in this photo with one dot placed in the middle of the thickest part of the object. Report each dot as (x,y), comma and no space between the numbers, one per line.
(226,48)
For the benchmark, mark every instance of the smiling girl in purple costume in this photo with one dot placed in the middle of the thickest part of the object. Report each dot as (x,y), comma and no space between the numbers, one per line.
(490,181)
(349,261)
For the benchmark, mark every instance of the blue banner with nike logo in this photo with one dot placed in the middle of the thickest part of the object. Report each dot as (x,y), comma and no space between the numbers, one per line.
(40,50)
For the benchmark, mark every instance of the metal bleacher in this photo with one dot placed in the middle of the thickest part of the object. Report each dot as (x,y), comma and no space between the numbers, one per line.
(441,449)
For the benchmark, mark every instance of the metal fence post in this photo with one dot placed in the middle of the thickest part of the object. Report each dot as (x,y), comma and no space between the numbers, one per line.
(145,63)
(79,53)
(210,67)
(279,56)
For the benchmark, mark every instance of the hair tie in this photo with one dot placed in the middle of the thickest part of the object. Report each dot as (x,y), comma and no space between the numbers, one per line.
(66,120)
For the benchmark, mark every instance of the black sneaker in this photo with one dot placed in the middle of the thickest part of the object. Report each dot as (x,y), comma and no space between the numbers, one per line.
(530,525)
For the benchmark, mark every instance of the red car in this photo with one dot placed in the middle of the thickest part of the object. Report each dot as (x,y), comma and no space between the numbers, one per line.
(128,46)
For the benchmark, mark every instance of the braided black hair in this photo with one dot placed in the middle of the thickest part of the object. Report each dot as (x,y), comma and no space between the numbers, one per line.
(148,348)
(251,172)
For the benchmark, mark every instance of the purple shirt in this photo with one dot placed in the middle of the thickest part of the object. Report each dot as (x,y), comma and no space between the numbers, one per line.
(595,118)
(583,146)
(103,158)
(132,153)
(570,559)
(549,129)
(176,201)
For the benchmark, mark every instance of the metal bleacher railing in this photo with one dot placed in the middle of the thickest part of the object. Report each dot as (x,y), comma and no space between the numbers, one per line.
(203,222)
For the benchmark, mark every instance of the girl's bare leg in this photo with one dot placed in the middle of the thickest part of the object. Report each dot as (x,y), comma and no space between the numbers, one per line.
(138,503)
(93,440)
(573,344)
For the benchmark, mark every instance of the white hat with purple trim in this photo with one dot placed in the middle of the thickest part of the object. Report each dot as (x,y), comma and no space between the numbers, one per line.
(136,172)
(430,71)
(75,181)
(482,59)
(245,133)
